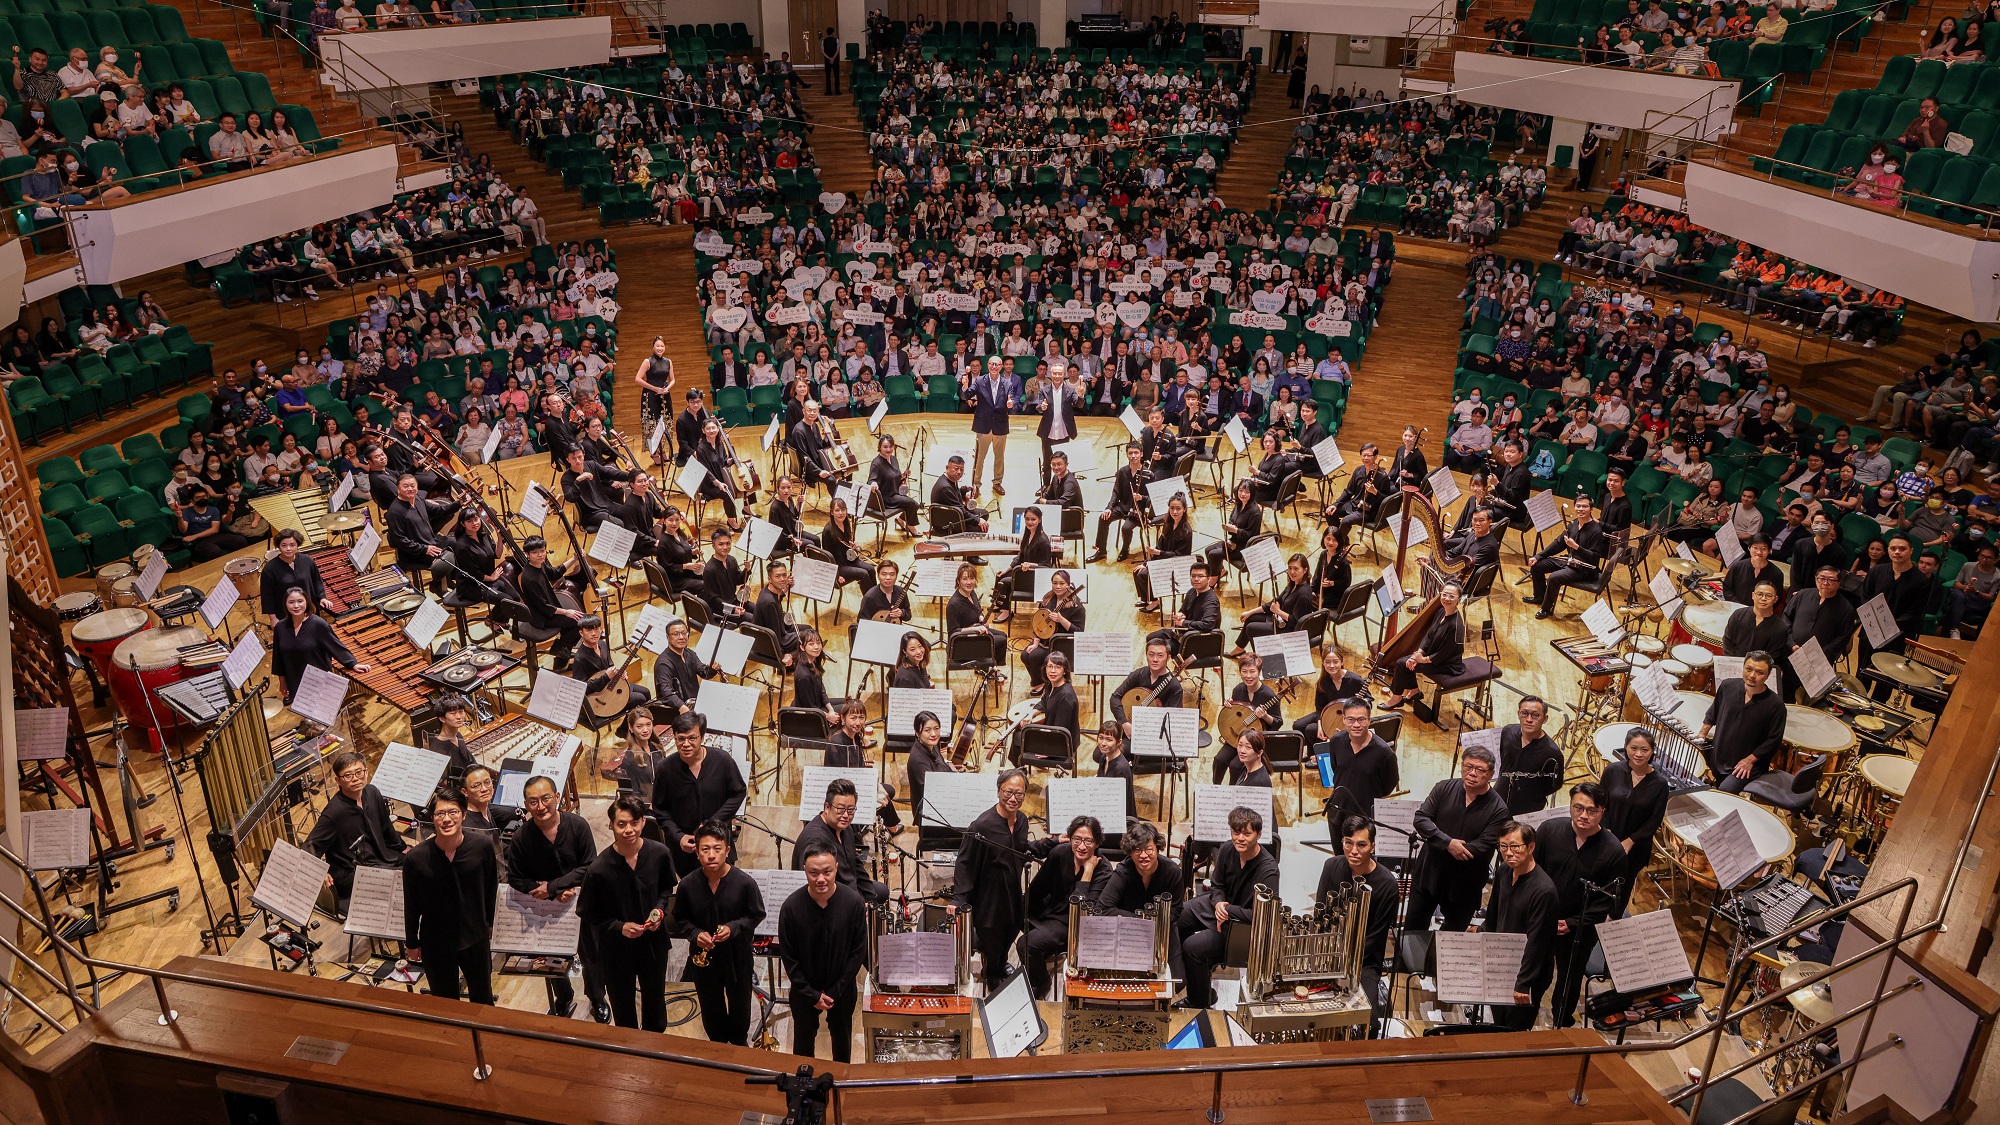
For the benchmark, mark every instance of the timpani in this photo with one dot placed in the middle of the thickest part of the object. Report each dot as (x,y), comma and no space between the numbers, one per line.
(1689,813)
(1677,669)
(1810,732)
(1701,667)
(1887,778)
(1703,623)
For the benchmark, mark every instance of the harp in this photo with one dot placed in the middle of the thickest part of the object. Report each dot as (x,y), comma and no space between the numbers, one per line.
(1400,641)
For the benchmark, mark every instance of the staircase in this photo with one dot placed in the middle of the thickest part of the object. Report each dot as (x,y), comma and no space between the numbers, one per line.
(1258,155)
(839,141)
(1469,35)
(275,56)
(1845,69)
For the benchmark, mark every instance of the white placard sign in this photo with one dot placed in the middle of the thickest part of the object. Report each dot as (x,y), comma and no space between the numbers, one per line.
(1103,654)
(338,501)
(320,695)
(1602,621)
(729,708)
(365,546)
(1158,492)
(1444,487)
(1161,732)
(1478,968)
(41,734)
(612,545)
(1284,655)
(58,839)
(1114,941)
(689,479)
(813,781)
(290,883)
(243,659)
(1732,854)
(955,800)
(1544,510)
(409,774)
(1644,951)
(1214,803)
(936,578)
(423,625)
(557,699)
(1265,560)
(1810,665)
(1327,453)
(904,704)
(813,578)
(375,908)
(775,884)
(219,602)
(1878,622)
(760,537)
(652,622)
(878,642)
(535,504)
(538,927)
(149,578)
(917,959)
(1395,813)
(1101,797)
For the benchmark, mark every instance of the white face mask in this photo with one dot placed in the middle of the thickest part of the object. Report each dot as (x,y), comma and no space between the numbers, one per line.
(1877,157)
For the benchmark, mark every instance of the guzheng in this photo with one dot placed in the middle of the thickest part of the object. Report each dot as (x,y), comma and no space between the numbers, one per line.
(300,508)
(395,663)
(522,739)
(1119,991)
(967,543)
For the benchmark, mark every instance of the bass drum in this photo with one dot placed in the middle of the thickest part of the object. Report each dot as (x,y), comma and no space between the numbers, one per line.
(1689,814)
(144,664)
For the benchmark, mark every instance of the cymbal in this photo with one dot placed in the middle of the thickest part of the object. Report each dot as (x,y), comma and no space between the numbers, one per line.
(1815,1001)
(1903,670)
(1685,568)
(343,522)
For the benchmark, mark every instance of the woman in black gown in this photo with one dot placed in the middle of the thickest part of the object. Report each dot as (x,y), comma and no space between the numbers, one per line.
(1441,653)
(1066,612)
(964,612)
(480,576)
(715,458)
(303,640)
(1239,527)
(887,478)
(1282,613)
(926,757)
(837,539)
(679,555)
(1332,573)
(288,568)
(910,665)
(1635,805)
(1175,539)
(1037,549)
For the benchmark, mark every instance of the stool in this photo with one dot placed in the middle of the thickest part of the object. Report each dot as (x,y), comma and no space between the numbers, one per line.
(458,605)
(532,636)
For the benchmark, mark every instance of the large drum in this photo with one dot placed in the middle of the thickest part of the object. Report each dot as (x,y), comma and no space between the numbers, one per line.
(144,664)
(97,637)
(1701,667)
(125,592)
(247,574)
(1810,732)
(1609,739)
(1690,813)
(1703,623)
(1888,777)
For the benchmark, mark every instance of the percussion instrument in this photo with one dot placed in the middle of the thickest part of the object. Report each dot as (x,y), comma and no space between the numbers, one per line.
(346,523)
(1639,660)
(248,574)
(1688,814)
(1874,726)
(110,573)
(1677,669)
(1888,777)
(1701,666)
(1682,568)
(77,606)
(303,509)
(395,663)
(1704,623)
(1905,671)
(519,738)
(403,604)
(125,592)
(1810,731)
(1645,645)
(177,601)
(143,664)
(97,637)
(1813,1002)
(1690,707)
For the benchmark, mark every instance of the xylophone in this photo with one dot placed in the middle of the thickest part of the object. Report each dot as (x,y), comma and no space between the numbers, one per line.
(302,508)
(349,589)
(395,662)
(519,738)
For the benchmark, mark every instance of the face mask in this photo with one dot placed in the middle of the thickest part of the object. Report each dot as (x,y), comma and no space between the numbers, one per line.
(111,59)
(1888,167)
(1877,157)
(1934,504)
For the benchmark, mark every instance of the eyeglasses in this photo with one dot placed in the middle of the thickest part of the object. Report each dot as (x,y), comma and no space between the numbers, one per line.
(352,775)
(841,808)
(1512,847)
(541,802)
(1576,810)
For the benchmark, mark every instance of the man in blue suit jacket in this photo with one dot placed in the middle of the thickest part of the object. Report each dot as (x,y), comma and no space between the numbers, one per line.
(992,395)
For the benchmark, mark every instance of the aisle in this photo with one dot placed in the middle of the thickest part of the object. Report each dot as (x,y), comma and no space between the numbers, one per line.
(1406,376)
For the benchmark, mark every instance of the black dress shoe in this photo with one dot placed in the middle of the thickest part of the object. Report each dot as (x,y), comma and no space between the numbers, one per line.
(601,1013)
(1098,557)
(1184,1004)
(1544,614)
(564,1012)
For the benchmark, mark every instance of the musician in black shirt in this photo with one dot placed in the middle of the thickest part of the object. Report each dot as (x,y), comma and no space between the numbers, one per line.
(1200,611)
(823,937)
(1367,490)
(1144,876)
(1524,902)
(678,673)
(836,537)
(1531,764)
(1758,626)
(1408,468)
(1333,684)
(717,908)
(810,446)
(926,757)
(626,894)
(1356,864)
(1061,488)
(482,575)
(454,714)
(884,601)
(1204,920)
(1062,610)
(545,609)
(833,831)
(1037,550)
(1154,675)
(714,453)
(1239,528)
(1127,506)
(1283,613)
(1616,516)
(784,512)
(722,578)
(1175,540)
(987,877)
(964,613)
(354,829)
(1458,823)
(592,661)
(1575,556)
(1441,654)
(450,893)
(679,556)
(1510,495)
(947,492)
(288,568)
(1479,542)
(547,858)
(1365,767)
(410,521)
(696,786)
(587,484)
(1114,763)
(1071,864)
(888,480)
(1745,573)
(1250,691)
(1635,804)
(1747,724)
(913,664)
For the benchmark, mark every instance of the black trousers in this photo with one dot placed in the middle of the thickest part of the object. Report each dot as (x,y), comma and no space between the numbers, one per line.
(992,943)
(1203,946)
(1042,941)
(442,967)
(636,968)
(839,1027)
(1423,900)
(1519,1017)
(1550,576)
(710,490)
(901,506)
(1127,521)
(1035,658)
(1572,952)
(725,1005)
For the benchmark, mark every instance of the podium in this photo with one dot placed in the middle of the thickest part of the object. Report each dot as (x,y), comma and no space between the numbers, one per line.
(920,1015)
(1303,980)
(1117,994)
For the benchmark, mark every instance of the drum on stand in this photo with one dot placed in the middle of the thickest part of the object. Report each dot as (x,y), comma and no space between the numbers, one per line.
(1703,623)
(1810,732)
(142,665)
(78,605)
(248,574)
(97,637)
(125,592)
(1677,669)
(1651,648)
(1887,780)
(1701,667)
(1689,813)
(110,573)
(1609,739)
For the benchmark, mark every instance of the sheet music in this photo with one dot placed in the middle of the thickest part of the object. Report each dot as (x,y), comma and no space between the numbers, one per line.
(612,545)
(290,883)
(58,839)
(1239,437)
(1012,1024)
(492,446)
(760,538)
(1182,727)
(1327,453)
(219,602)
(1418,532)
(1171,578)
(689,478)
(770,437)
(243,659)
(1285,655)
(955,800)
(1815,674)
(1666,595)
(557,699)
(659,434)
(149,578)
(729,708)
(1878,622)
(1732,854)
(1082,455)
(1478,968)
(320,695)
(1489,738)
(813,781)
(1728,543)
(878,642)
(423,625)
(1045,579)
(905,702)
(1602,621)
(1134,425)
(727,649)
(535,503)
(1444,487)
(1265,560)
(1543,509)
(1158,492)
(345,488)
(652,623)
(875,418)
(41,734)
(535,926)
(1101,797)
(1682,550)
(1655,690)
(936,578)
(1104,654)
(813,578)
(776,884)
(1389,591)
(376,908)
(855,496)
(365,545)
(1214,803)
(1644,951)
(1114,941)
(409,774)
(1394,812)
(918,959)
(1731,668)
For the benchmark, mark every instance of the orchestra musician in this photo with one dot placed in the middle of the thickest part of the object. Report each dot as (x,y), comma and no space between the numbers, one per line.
(678,673)
(1060,486)
(596,443)
(1441,653)
(1745,573)
(399,450)
(1175,540)
(1365,767)
(1127,506)
(1480,499)
(1063,609)
(545,609)
(987,877)
(289,568)
(890,485)
(1200,611)
(547,858)
(1311,432)
(688,426)
(626,893)
(381,478)
(481,815)
(1036,550)
(1822,612)
(695,786)
(1524,902)
(1744,726)
(722,577)
(948,492)
(679,557)
(713,453)
(1250,760)
(1510,492)
(771,613)
(913,656)
(354,829)
(1071,864)
(823,937)
(1250,691)
(640,512)
(1272,469)
(454,716)
(637,765)
(593,663)
(410,525)
(450,892)
(1575,556)
(926,757)
(303,639)
(1114,763)
(885,601)
(588,485)
(1367,490)
(1408,468)
(717,908)
(1356,864)
(1332,573)
(1154,674)
(1478,542)
(1283,613)
(1144,875)
(836,538)
(964,612)
(1757,626)
(1585,863)
(784,512)
(1161,448)
(481,568)
(1531,764)
(808,682)
(1459,822)
(1238,528)
(558,432)
(1204,920)
(1616,516)
(810,446)
(1334,682)
(1635,805)
(1058,707)
(833,830)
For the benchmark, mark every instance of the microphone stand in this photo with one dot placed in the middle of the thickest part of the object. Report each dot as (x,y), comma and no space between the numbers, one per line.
(1578,944)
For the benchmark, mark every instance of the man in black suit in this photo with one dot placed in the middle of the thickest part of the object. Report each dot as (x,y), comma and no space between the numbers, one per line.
(688,424)
(1128,499)
(727,372)
(588,485)
(1059,404)
(1245,404)
(770,611)
(678,673)
(410,531)
(450,892)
